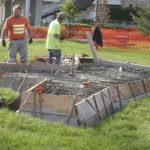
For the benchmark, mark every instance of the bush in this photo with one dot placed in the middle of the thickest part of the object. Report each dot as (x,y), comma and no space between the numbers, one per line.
(86,21)
(9,94)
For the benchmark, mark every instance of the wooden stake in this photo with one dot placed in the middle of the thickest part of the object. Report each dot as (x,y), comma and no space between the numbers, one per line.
(90,41)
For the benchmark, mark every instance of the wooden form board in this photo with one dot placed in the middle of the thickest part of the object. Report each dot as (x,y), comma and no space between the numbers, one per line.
(41,84)
(43,66)
(53,103)
(112,99)
(85,111)
(147,85)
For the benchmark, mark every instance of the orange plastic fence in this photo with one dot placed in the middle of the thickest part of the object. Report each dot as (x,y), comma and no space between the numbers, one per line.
(126,39)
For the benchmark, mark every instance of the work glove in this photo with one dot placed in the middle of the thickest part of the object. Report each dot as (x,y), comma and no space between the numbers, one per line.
(30,40)
(3,43)
(61,38)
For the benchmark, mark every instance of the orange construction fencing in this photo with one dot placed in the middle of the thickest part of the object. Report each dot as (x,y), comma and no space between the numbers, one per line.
(126,39)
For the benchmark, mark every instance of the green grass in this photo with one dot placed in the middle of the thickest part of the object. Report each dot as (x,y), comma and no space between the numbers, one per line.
(72,47)
(8,93)
(126,130)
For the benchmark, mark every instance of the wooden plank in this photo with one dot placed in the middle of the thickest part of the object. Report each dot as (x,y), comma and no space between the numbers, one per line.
(147,84)
(107,101)
(126,92)
(41,84)
(52,102)
(137,88)
(100,105)
(114,94)
(85,111)
(90,41)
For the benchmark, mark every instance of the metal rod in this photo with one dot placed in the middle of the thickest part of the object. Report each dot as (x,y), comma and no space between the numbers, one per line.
(18,90)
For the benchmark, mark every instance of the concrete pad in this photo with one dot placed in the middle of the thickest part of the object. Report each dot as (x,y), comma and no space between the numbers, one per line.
(124,64)
(12,81)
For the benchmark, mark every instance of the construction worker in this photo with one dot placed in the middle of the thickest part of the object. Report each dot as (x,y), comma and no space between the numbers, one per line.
(54,38)
(16,25)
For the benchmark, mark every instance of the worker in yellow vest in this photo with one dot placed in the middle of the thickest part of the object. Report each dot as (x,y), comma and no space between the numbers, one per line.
(53,39)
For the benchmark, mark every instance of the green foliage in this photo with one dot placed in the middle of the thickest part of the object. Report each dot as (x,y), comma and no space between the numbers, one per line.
(123,15)
(8,93)
(86,21)
(79,24)
(142,18)
(125,130)
(70,10)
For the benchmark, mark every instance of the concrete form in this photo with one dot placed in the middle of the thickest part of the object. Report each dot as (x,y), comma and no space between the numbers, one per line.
(64,101)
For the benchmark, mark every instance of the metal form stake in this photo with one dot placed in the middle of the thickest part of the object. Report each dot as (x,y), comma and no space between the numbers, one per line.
(53,59)
(18,90)
(21,107)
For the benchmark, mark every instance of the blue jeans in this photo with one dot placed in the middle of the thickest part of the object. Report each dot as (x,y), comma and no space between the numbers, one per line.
(54,53)
(16,46)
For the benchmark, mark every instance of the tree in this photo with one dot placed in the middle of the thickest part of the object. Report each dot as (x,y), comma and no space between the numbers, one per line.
(70,9)
(142,18)
(102,12)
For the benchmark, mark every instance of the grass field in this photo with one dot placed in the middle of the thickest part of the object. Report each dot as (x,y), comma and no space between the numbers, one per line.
(72,47)
(8,93)
(126,130)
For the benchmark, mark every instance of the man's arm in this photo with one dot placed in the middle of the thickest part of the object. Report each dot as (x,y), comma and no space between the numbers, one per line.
(57,36)
(29,32)
(3,34)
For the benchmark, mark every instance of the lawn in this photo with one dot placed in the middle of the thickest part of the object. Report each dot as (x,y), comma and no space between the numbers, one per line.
(9,94)
(126,130)
(72,47)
